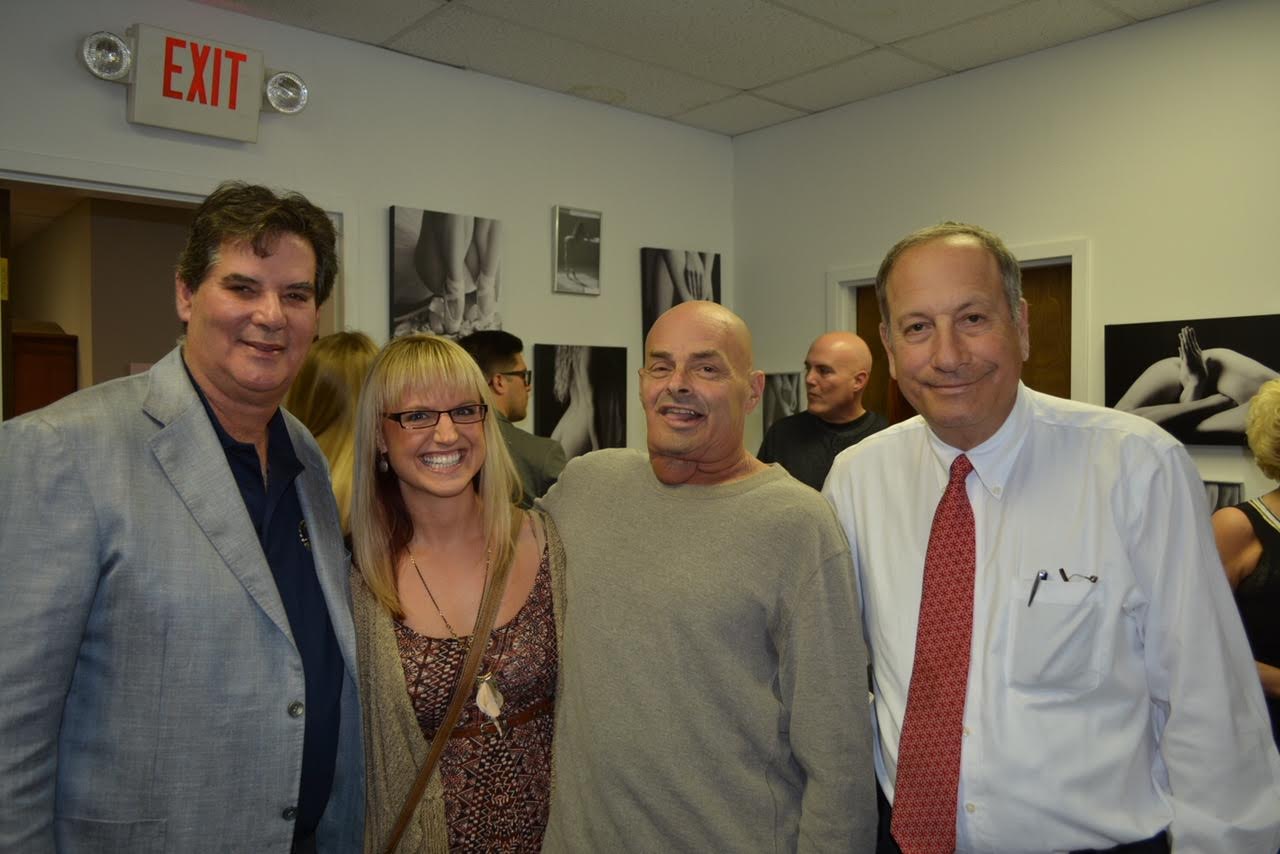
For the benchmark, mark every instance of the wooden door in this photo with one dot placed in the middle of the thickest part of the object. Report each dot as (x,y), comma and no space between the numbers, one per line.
(6,311)
(1047,290)
(882,394)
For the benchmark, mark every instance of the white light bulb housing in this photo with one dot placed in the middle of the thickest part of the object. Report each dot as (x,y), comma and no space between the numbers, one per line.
(107,56)
(284,92)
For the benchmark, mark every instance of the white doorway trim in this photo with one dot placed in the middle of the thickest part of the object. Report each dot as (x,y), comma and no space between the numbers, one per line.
(842,304)
(142,185)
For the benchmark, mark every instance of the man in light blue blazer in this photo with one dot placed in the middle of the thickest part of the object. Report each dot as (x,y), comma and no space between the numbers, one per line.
(177,648)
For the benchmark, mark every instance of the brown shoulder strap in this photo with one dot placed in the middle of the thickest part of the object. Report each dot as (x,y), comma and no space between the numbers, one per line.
(489,603)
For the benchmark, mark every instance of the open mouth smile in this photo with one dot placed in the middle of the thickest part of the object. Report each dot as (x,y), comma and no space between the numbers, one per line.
(441,461)
(679,414)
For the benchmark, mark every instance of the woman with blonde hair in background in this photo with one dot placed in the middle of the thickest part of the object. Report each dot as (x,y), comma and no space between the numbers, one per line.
(441,550)
(324,396)
(1248,537)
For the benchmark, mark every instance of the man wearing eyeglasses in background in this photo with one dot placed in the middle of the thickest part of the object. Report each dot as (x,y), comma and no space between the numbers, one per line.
(500,356)
(1057,660)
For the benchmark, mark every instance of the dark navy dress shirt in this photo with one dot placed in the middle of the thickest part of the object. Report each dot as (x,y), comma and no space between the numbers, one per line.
(277,518)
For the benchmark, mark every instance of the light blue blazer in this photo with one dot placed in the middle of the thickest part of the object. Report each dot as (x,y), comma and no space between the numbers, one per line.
(146,662)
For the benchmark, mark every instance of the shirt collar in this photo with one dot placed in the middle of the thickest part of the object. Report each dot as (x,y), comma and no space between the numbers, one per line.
(992,460)
(280,454)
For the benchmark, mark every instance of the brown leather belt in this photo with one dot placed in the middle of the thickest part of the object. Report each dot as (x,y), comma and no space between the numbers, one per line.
(534,710)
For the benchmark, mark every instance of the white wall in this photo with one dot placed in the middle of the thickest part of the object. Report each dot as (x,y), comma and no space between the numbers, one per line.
(1158,144)
(385,129)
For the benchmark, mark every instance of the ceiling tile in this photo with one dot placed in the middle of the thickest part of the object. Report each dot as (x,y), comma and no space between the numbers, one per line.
(371,21)
(887,21)
(736,43)
(1143,9)
(459,37)
(738,114)
(1020,30)
(864,76)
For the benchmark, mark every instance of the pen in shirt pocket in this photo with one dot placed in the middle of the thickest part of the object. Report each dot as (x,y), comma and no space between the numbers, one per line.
(1043,575)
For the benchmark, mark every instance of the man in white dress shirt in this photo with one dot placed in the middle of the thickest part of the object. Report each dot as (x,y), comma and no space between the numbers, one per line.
(1111,700)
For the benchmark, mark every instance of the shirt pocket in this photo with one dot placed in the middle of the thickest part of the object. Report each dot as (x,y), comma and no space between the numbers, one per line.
(1054,640)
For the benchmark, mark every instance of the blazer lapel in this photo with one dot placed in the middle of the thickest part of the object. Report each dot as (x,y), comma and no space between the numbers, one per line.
(188,452)
(315,494)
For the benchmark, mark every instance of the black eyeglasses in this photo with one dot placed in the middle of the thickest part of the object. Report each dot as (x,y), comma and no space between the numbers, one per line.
(420,419)
(525,375)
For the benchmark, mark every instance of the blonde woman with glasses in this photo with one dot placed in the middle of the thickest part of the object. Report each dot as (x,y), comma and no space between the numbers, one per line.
(435,526)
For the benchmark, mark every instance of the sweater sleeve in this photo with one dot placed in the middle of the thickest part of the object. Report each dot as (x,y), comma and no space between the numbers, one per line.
(822,673)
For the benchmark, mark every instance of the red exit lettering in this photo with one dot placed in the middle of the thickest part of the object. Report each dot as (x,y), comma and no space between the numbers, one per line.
(205,86)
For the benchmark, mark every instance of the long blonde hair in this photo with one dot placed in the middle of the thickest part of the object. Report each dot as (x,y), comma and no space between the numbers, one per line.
(324,396)
(381,527)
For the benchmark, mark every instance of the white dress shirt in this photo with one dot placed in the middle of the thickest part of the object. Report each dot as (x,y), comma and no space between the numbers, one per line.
(1105,711)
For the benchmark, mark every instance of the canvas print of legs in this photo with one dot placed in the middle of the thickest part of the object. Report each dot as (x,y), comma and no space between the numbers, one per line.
(444,272)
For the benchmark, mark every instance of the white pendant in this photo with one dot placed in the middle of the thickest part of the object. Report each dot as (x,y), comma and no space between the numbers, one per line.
(488,697)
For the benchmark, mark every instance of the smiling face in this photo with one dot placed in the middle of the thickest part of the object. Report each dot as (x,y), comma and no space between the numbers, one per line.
(697,387)
(251,321)
(440,461)
(953,344)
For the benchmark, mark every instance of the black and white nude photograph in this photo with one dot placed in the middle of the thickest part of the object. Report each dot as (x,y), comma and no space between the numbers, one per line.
(1192,377)
(580,399)
(669,277)
(1223,493)
(577,248)
(444,272)
(783,396)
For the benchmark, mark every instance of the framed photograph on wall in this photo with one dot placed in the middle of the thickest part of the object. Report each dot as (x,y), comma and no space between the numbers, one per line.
(1192,377)
(444,272)
(576,242)
(581,396)
(1223,493)
(669,277)
(783,396)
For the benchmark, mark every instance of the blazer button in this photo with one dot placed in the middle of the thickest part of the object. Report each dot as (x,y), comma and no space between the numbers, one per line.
(289,814)
(295,709)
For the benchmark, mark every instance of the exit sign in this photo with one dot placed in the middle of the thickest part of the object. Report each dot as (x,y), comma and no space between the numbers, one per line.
(194,84)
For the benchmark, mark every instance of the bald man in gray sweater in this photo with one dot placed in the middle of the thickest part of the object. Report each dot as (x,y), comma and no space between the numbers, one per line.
(713,670)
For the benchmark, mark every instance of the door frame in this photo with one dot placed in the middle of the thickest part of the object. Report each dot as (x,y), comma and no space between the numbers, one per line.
(842,304)
(146,189)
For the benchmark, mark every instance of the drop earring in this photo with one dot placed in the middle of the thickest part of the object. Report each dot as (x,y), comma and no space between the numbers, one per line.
(383,465)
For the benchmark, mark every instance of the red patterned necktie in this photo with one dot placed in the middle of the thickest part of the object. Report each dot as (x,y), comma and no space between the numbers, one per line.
(924,801)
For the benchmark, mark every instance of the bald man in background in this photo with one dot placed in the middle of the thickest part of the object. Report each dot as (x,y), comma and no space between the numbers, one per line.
(836,370)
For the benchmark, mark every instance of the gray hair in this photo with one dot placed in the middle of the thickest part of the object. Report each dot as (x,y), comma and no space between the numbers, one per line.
(1010,272)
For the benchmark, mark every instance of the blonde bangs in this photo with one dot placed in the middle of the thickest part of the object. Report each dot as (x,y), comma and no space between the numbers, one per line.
(380,525)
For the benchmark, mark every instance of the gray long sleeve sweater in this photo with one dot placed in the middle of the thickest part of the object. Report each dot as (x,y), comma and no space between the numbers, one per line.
(713,669)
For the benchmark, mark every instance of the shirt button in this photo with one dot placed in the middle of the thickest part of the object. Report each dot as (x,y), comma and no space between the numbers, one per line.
(966,731)
(995,490)
(289,814)
(969,808)
(295,709)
